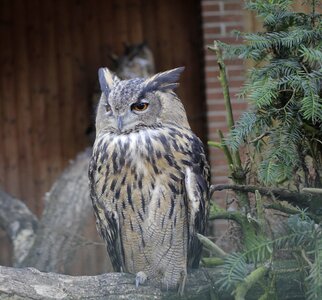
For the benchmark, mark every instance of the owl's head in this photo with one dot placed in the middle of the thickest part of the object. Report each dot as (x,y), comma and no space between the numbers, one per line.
(134,104)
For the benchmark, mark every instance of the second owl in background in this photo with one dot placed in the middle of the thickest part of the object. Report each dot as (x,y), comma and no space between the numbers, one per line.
(149,179)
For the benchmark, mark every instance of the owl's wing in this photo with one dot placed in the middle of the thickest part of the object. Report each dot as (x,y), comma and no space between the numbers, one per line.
(107,222)
(197,178)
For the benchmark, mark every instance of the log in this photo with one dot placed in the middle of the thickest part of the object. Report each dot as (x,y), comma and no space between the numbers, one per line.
(49,243)
(67,205)
(19,223)
(29,283)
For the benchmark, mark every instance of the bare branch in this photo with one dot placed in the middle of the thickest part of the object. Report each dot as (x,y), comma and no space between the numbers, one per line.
(297,198)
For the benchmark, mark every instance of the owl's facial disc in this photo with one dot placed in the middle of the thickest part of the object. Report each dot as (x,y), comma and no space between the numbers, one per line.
(129,118)
(135,104)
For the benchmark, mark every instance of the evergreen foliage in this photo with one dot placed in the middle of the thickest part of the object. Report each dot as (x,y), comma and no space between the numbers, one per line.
(282,131)
(284,90)
(303,236)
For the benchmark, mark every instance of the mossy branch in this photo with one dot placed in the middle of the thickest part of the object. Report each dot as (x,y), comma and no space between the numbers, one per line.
(233,157)
(224,83)
(208,244)
(249,281)
(260,211)
(211,262)
(215,144)
(225,87)
(227,152)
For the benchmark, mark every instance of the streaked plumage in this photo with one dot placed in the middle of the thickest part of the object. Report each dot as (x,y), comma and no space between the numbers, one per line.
(149,179)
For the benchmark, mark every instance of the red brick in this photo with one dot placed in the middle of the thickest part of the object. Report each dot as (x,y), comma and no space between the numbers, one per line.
(212,30)
(210,6)
(216,118)
(212,74)
(233,6)
(223,18)
(221,106)
(213,129)
(240,72)
(235,82)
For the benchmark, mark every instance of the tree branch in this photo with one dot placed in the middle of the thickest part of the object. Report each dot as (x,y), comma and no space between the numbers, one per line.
(301,199)
(211,246)
(291,211)
(29,283)
(249,281)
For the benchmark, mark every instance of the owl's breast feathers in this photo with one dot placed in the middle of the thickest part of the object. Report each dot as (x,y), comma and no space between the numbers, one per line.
(150,196)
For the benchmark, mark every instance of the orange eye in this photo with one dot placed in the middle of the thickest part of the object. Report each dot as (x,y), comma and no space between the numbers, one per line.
(139,106)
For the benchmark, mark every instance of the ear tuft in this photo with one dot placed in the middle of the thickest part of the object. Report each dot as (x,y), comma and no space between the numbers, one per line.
(164,81)
(106,79)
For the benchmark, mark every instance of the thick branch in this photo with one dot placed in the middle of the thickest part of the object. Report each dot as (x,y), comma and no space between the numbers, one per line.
(67,205)
(29,283)
(19,223)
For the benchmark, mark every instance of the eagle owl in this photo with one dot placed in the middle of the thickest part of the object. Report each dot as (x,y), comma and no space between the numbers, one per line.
(149,179)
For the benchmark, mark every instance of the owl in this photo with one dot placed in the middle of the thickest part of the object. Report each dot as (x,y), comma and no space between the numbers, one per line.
(149,179)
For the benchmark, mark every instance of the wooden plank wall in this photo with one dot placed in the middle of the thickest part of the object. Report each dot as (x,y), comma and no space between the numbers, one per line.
(50,52)
(49,59)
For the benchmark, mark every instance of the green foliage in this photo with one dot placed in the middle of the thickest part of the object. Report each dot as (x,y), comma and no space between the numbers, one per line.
(302,234)
(314,279)
(245,126)
(283,90)
(282,132)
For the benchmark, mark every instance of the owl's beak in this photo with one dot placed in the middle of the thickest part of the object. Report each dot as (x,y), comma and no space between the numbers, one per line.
(120,123)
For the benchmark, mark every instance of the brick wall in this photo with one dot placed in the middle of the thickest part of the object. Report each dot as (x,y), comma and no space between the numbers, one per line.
(219,19)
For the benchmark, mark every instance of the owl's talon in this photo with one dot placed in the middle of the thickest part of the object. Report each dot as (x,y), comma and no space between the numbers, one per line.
(140,278)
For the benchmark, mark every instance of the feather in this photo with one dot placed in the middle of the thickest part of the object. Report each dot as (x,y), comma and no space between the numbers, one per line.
(107,221)
(197,192)
(163,81)
(106,80)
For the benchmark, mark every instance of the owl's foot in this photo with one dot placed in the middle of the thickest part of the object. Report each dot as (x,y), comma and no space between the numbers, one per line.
(140,278)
